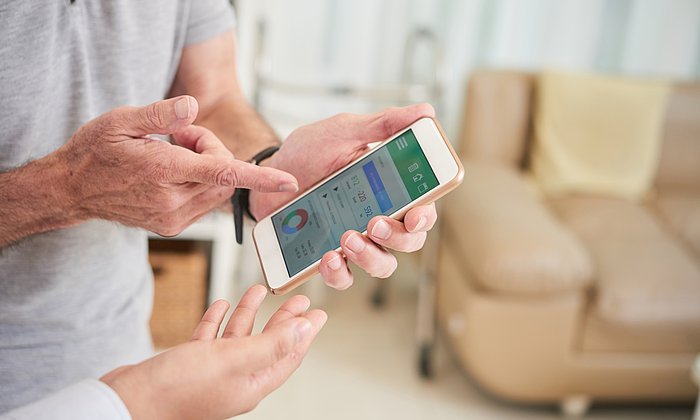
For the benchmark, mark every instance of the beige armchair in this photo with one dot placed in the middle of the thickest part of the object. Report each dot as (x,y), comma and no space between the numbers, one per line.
(573,299)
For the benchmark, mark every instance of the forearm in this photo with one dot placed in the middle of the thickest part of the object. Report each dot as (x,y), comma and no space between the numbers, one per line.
(35,198)
(208,72)
(238,125)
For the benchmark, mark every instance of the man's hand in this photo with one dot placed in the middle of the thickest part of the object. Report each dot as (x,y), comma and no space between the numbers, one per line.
(315,151)
(116,172)
(210,378)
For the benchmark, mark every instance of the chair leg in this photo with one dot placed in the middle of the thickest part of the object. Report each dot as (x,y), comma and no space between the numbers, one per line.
(425,360)
(379,294)
(425,325)
(426,322)
(696,377)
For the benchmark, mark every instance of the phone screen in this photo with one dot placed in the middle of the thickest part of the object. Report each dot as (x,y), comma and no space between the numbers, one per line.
(386,180)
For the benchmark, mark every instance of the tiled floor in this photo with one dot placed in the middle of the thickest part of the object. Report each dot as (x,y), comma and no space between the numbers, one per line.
(362,366)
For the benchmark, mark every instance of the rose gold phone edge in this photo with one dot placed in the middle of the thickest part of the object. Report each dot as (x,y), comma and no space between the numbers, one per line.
(428,198)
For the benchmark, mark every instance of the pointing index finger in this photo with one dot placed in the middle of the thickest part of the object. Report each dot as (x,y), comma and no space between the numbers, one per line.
(179,165)
(262,178)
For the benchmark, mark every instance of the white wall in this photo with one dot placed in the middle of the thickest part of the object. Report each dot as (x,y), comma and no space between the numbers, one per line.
(360,42)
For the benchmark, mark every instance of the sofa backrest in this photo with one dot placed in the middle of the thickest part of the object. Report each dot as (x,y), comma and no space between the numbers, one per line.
(679,165)
(497,125)
(497,116)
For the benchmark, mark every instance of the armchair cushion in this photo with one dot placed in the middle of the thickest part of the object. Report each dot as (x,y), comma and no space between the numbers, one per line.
(585,144)
(680,209)
(644,275)
(508,239)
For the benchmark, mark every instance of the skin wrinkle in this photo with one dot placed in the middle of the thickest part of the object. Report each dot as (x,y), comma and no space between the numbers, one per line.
(114,174)
(162,203)
(176,380)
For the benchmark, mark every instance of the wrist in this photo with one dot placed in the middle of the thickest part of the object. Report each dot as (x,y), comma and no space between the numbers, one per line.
(61,184)
(136,397)
(36,198)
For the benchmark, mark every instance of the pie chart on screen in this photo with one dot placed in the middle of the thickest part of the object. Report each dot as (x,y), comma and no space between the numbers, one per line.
(294,221)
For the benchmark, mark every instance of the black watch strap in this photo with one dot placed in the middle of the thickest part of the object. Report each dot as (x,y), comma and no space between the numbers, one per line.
(241,196)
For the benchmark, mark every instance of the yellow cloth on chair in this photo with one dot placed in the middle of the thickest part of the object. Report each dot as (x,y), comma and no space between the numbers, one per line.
(597,134)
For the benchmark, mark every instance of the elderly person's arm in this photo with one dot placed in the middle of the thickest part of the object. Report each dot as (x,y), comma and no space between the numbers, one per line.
(111,169)
(208,71)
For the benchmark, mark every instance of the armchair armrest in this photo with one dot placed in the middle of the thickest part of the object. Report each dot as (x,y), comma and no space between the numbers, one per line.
(508,239)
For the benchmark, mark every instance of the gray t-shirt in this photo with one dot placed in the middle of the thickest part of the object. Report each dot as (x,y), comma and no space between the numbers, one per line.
(75,303)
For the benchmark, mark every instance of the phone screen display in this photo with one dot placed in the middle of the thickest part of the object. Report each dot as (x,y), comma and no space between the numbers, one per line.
(383,182)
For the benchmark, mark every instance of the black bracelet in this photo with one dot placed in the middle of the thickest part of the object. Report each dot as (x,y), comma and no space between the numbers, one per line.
(240,197)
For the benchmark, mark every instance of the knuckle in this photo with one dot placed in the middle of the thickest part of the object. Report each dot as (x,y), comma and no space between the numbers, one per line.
(385,122)
(175,231)
(168,232)
(169,225)
(165,231)
(171,202)
(251,406)
(382,122)
(161,170)
(85,133)
(104,125)
(154,116)
(282,347)
(113,121)
(419,242)
(252,403)
(225,176)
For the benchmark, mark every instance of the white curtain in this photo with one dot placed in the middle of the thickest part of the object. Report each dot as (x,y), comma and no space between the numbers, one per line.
(361,43)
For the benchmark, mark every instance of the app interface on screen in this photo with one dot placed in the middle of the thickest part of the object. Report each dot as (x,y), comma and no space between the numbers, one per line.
(381,183)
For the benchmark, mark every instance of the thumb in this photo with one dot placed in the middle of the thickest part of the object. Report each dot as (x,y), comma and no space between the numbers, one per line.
(381,125)
(188,166)
(162,117)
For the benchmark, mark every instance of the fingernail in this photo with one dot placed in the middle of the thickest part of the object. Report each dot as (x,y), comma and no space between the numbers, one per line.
(182,108)
(303,328)
(289,187)
(381,230)
(420,224)
(355,243)
(334,263)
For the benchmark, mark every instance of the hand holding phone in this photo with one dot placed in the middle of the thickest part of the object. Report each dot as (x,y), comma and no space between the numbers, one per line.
(412,168)
(313,152)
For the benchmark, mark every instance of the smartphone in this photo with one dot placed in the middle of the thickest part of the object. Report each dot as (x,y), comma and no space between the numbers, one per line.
(415,166)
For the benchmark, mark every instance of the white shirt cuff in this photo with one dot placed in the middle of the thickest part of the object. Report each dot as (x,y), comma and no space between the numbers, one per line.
(88,399)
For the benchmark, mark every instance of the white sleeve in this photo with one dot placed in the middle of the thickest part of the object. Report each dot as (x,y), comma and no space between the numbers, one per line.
(88,399)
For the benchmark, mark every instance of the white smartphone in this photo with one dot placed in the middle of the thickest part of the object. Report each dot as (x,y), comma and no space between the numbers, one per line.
(415,166)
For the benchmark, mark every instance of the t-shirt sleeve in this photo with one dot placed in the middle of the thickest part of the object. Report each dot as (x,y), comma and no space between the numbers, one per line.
(207,19)
(88,399)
